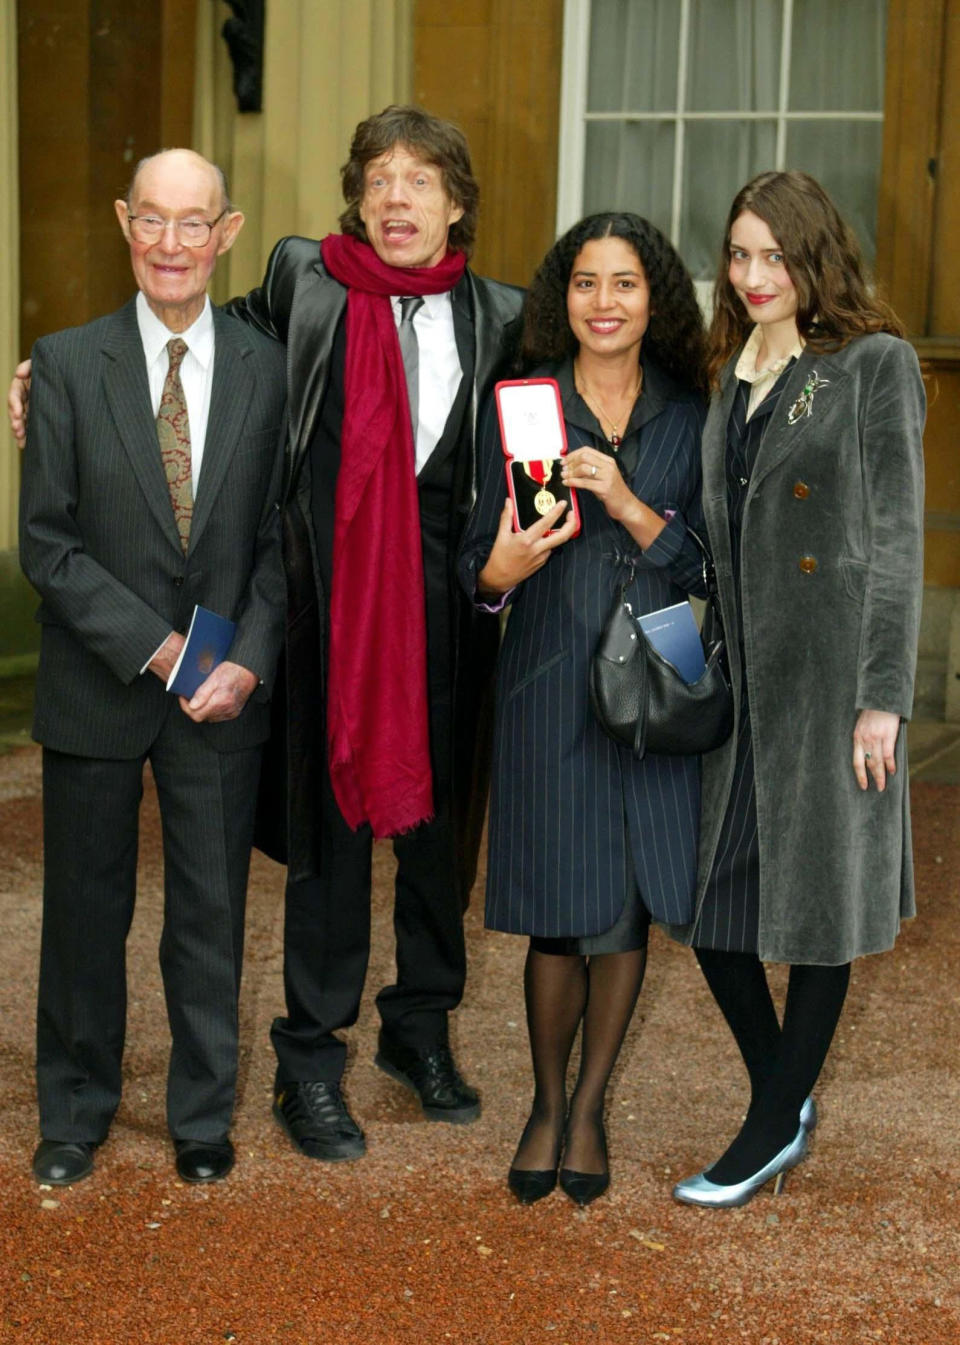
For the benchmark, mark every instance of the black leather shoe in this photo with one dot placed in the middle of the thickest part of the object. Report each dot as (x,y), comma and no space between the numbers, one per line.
(199,1161)
(531,1184)
(316,1118)
(583,1187)
(56,1163)
(432,1075)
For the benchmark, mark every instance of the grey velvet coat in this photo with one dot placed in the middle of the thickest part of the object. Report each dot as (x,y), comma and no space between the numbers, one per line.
(831,552)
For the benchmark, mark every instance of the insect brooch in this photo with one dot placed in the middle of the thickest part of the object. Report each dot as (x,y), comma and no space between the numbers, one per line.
(803,406)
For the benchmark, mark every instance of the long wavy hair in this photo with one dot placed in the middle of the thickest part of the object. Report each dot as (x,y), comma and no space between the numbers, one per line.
(675,335)
(437,141)
(823,258)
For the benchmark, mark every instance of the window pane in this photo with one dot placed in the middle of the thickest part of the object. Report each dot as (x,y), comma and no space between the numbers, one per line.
(734,61)
(720,157)
(629,166)
(633,55)
(837,56)
(844,157)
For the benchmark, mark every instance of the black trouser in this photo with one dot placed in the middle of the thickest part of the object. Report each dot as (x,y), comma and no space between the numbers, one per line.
(327,944)
(90,816)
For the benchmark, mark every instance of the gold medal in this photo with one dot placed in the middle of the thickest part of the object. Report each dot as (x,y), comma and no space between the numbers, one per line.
(544,501)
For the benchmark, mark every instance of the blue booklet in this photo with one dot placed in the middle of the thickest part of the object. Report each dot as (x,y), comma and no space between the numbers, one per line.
(208,639)
(674,635)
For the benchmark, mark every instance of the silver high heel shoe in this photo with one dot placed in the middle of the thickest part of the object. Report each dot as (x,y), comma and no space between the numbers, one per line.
(808,1115)
(700,1190)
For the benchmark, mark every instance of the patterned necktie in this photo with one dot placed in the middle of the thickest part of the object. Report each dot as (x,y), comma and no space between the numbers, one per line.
(411,357)
(173,432)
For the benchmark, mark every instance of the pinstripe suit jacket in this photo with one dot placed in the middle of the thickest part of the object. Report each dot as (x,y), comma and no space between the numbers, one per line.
(574,817)
(99,543)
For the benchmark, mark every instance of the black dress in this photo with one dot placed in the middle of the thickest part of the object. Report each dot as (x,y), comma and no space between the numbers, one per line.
(730,914)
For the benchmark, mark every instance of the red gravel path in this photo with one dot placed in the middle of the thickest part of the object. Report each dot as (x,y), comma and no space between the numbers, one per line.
(420,1241)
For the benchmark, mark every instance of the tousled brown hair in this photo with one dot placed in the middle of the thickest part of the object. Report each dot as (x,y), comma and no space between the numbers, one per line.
(437,141)
(823,258)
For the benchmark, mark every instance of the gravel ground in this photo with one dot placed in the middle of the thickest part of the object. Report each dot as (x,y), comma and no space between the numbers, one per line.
(420,1241)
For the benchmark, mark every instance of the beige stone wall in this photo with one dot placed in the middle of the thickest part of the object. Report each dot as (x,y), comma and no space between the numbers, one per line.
(328,64)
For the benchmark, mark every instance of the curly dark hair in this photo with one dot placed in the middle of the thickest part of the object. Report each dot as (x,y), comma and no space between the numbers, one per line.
(437,141)
(823,258)
(675,335)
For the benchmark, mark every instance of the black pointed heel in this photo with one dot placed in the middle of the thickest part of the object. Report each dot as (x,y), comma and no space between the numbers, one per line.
(530,1184)
(583,1187)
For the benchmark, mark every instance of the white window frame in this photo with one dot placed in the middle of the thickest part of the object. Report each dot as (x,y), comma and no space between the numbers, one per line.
(574,116)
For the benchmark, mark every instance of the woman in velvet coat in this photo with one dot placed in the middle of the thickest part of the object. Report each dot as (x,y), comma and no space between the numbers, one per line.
(587,842)
(813,495)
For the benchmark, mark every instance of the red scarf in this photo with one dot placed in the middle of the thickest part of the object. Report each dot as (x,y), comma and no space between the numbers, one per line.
(378,734)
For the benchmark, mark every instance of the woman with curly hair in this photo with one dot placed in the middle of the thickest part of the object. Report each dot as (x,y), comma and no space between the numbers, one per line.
(813,493)
(586,842)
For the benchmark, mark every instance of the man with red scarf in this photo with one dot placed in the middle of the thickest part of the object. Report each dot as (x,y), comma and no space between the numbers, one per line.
(388,669)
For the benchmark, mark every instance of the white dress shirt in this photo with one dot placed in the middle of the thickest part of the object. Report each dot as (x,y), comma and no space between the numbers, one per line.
(438,368)
(196,371)
(196,378)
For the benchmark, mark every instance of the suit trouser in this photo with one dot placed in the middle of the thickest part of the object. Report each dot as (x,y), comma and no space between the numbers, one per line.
(327,945)
(91,814)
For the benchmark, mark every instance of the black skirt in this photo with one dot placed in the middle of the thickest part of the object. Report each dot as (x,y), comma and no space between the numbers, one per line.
(629,931)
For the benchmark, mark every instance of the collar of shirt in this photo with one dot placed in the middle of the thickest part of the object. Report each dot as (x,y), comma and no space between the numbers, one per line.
(435,306)
(761,380)
(154,335)
(747,370)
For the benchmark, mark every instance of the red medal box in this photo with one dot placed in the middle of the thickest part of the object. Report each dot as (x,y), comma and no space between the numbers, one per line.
(534,441)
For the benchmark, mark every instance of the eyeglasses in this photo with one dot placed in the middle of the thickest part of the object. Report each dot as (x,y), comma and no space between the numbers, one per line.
(192,233)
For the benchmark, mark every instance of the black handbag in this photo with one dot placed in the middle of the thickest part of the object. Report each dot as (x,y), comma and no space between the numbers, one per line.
(642,701)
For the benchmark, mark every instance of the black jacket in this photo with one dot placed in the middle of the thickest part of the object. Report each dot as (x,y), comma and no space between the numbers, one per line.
(301,304)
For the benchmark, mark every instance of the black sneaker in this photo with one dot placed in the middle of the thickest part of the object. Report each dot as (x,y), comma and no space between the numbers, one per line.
(433,1076)
(316,1118)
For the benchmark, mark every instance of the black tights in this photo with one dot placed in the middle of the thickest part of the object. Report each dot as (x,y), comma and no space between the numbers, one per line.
(783,1062)
(561,991)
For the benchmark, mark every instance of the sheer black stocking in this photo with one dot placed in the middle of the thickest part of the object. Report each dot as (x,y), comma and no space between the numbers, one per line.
(614,981)
(555,989)
(561,991)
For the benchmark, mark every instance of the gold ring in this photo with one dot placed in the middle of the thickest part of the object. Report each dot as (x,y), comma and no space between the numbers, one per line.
(594,472)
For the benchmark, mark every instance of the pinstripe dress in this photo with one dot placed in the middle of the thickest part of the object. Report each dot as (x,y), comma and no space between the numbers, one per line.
(578,826)
(730,911)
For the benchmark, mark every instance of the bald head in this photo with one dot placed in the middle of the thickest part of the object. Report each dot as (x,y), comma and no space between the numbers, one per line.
(177,221)
(184,158)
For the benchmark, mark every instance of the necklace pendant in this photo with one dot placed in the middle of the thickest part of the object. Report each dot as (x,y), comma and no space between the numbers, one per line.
(615,440)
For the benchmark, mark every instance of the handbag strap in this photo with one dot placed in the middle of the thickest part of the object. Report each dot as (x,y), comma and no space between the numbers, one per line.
(706,563)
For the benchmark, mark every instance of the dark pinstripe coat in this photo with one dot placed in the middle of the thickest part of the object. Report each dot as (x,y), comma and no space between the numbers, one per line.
(99,543)
(573,816)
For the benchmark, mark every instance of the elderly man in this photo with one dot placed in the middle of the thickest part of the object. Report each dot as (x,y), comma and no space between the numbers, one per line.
(392,344)
(151,483)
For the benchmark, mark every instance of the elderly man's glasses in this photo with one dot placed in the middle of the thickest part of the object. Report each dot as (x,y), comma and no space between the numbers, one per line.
(192,233)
